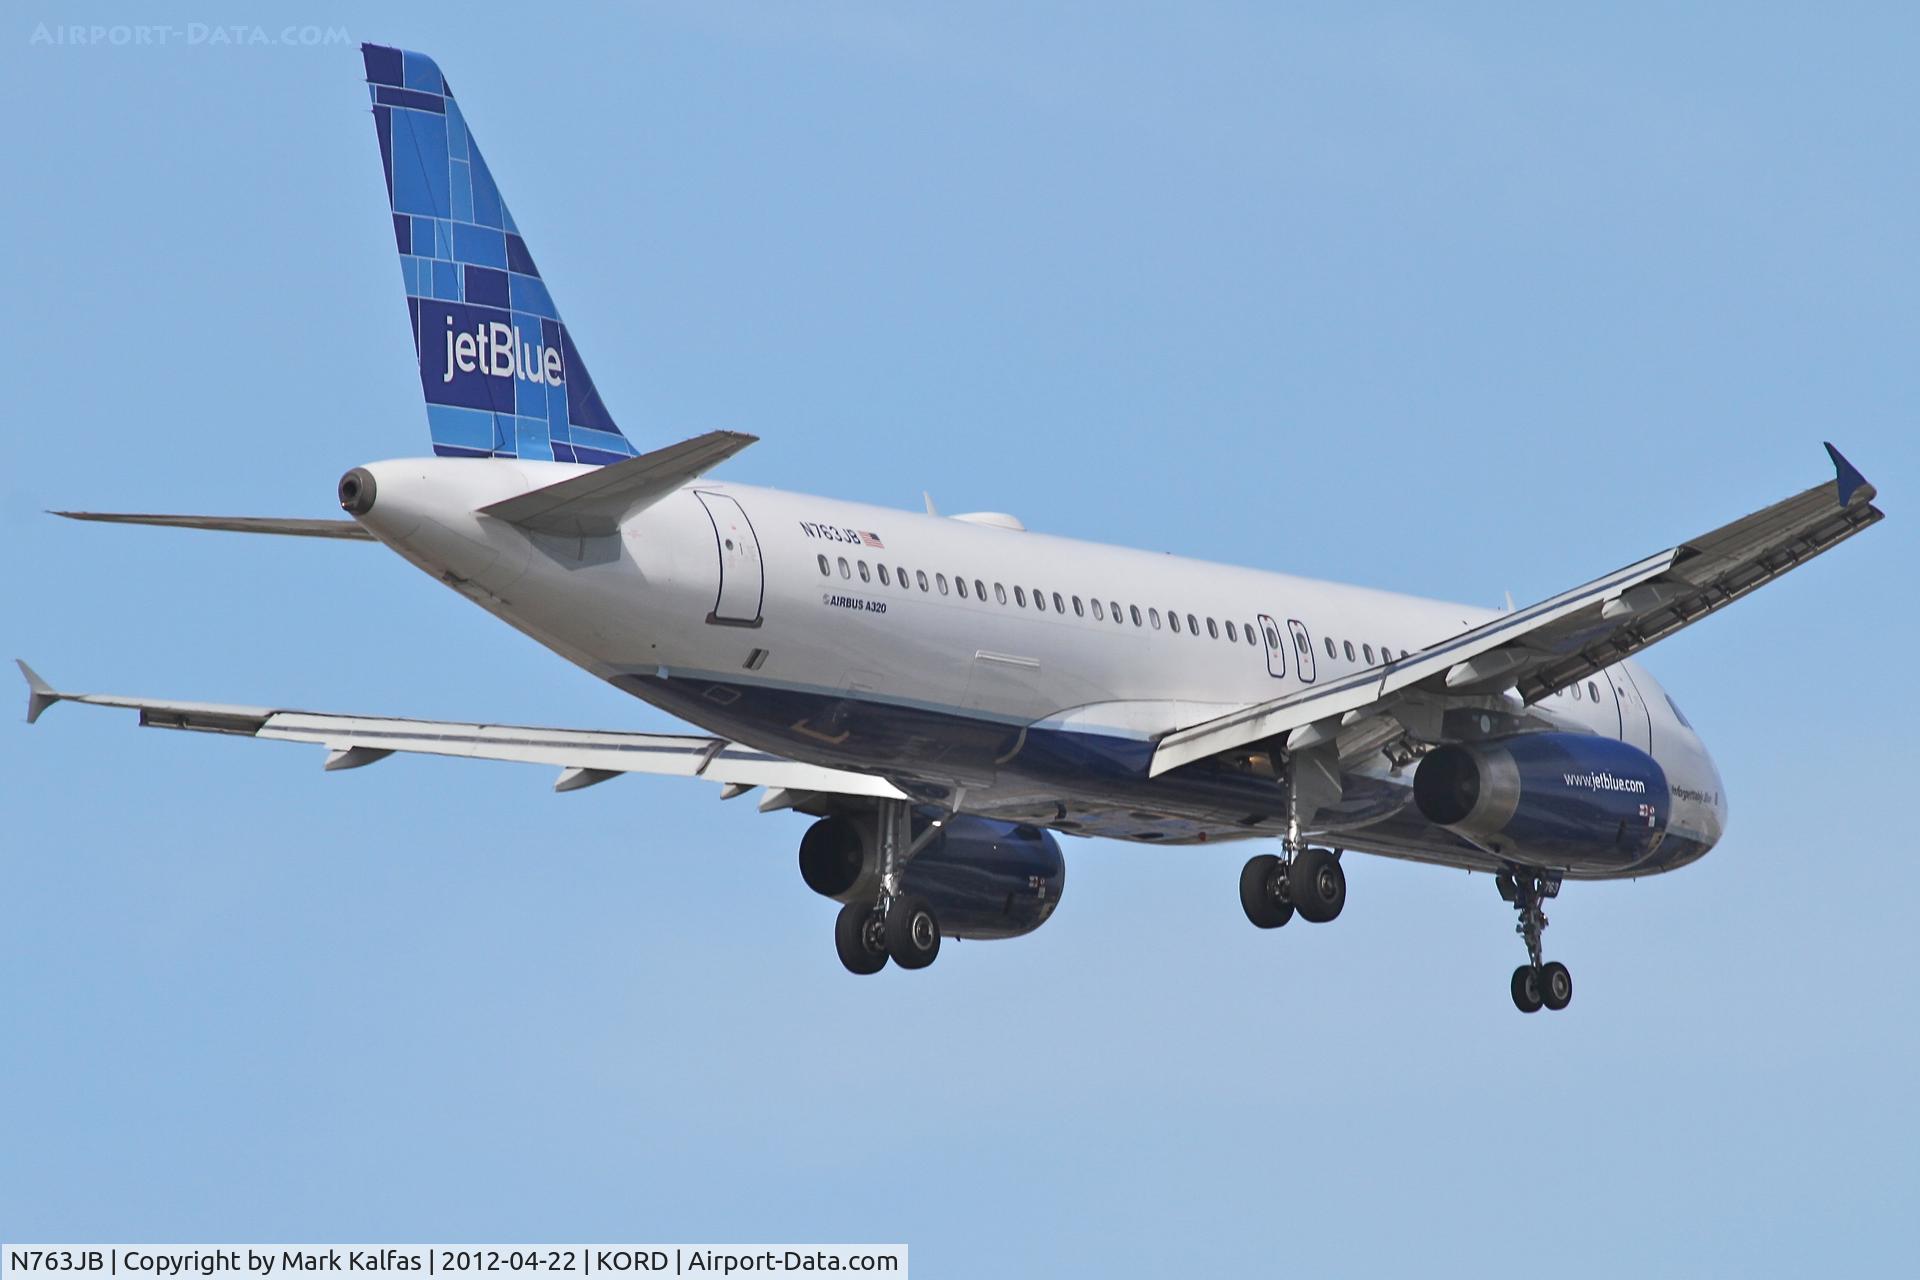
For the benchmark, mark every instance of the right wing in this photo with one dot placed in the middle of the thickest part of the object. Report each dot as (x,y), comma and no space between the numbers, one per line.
(583,756)
(1566,637)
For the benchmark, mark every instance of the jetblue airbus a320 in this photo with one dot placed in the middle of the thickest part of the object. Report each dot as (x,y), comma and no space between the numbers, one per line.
(943,694)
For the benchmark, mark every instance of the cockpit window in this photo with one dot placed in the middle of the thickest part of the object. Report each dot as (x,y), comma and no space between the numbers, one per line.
(1678,714)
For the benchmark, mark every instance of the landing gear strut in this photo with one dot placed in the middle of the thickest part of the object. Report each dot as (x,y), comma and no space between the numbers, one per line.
(1535,985)
(896,926)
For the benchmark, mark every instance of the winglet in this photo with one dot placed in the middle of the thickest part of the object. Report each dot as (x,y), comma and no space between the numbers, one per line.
(1847,476)
(40,694)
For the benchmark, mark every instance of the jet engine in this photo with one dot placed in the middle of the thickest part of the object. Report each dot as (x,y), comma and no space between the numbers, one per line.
(1552,799)
(983,879)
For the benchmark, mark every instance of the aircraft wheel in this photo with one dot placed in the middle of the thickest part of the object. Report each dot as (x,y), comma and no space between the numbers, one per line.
(1556,985)
(913,935)
(1263,892)
(858,938)
(1527,997)
(1318,885)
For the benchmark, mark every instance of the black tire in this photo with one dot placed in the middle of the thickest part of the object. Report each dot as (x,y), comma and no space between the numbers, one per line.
(862,949)
(1263,892)
(913,934)
(1526,989)
(1556,985)
(1318,886)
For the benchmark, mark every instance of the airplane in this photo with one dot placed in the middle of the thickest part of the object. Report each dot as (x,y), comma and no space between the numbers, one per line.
(945,696)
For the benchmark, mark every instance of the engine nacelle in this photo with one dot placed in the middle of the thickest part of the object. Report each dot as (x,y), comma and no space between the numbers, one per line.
(983,879)
(1557,799)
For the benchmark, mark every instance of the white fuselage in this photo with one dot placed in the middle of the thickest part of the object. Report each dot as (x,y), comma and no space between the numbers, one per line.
(859,637)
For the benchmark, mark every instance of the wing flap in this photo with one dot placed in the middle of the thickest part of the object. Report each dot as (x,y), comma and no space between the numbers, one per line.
(1364,688)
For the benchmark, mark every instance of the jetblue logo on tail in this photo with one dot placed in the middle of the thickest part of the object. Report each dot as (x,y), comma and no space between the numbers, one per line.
(495,349)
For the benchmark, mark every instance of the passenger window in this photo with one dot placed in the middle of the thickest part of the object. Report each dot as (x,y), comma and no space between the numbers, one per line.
(940,580)
(1040,600)
(999,593)
(1020,596)
(1576,693)
(1300,643)
(960,585)
(1233,633)
(1348,646)
(1059,605)
(1273,638)
(845,570)
(1078,612)
(1213,629)
(1134,610)
(1153,616)
(865,575)
(1367,649)
(980,589)
(1099,615)
(920,576)
(1331,651)
(1173,620)
(1593,691)
(1193,626)
(826,568)
(884,580)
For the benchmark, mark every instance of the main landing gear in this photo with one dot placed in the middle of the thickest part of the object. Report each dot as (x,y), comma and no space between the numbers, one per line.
(1310,882)
(896,926)
(1535,985)
(1300,879)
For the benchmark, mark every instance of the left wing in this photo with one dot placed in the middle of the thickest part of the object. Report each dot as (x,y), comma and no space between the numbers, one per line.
(583,756)
(1565,637)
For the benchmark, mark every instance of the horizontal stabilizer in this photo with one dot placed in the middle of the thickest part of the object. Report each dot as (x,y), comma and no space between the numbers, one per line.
(593,504)
(283,525)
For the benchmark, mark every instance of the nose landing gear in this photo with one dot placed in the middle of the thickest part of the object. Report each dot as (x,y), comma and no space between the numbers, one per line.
(897,926)
(1535,985)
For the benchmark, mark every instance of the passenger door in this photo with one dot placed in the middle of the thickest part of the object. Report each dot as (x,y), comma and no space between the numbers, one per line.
(1636,724)
(742,576)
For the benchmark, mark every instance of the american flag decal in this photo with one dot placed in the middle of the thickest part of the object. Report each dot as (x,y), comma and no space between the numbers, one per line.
(872,540)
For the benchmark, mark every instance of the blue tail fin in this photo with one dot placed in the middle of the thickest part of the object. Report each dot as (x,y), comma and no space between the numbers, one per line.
(499,370)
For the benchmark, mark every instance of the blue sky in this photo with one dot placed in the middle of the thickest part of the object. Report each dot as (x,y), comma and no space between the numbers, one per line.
(1460,306)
